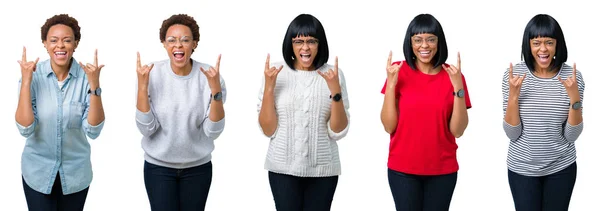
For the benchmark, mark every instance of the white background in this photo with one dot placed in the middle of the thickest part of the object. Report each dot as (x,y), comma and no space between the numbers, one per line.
(488,35)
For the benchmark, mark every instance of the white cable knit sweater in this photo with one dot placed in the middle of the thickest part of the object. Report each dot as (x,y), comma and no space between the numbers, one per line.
(303,144)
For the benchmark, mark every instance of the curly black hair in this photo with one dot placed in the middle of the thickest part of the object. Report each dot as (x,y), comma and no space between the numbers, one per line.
(182,19)
(61,19)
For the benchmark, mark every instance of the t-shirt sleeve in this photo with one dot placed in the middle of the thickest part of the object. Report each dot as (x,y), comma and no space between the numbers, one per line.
(467,96)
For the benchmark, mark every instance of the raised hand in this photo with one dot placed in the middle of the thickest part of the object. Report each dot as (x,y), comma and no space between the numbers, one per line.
(93,71)
(515,82)
(571,84)
(143,72)
(332,78)
(271,74)
(212,74)
(392,71)
(455,73)
(27,67)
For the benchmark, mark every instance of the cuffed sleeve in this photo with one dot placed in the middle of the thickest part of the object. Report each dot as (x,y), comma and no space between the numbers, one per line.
(572,132)
(513,132)
(146,122)
(92,131)
(27,131)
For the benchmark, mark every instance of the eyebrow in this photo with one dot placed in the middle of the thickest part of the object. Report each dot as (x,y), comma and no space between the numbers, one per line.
(59,37)
(425,37)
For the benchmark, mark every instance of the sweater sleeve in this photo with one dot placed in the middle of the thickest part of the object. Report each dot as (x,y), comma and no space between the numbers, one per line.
(572,132)
(513,132)
(146,122)
(333,135)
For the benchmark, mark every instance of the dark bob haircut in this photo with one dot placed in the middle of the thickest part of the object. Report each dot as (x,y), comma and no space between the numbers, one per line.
(543,25)
(305,25)
(421,24)
(61,19)
(181,19)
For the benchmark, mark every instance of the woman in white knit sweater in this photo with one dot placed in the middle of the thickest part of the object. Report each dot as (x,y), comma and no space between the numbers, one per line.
(303,109)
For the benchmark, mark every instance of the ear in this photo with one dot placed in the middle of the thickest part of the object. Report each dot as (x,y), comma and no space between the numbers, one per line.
(76,44)
(195,45)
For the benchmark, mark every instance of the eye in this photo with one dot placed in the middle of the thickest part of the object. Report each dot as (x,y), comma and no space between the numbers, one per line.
(53,41)
(536,43)
(550,43)
(186,41)
(67,41)
(298,42)
(312,42)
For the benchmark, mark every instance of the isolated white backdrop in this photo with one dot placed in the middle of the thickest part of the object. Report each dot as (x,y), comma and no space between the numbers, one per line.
(488,35)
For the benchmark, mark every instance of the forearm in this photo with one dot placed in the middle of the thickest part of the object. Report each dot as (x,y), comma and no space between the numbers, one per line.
(389,110)
(267,117)
(96,112)
(338,119)
(575,116)
(217,112)
(459,119)
(512,111)
(24,114)
(143,103)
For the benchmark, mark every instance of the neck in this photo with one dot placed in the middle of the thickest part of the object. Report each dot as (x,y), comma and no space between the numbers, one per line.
(298,66)
(427,68)
(61,72)
(543,72)
(182,71)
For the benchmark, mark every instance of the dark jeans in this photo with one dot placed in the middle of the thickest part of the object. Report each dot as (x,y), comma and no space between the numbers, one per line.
(172,189)
(547,193)
(293,193)
(55,201)
(421,193)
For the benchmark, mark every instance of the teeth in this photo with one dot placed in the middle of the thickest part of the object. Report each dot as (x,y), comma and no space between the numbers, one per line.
(424,52)
(177,52)
(60,53)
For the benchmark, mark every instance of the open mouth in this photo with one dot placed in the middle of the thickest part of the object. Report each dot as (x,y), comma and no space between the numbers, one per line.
(305,57)
(60,54)
(179,55)
(544,58)
(425,54)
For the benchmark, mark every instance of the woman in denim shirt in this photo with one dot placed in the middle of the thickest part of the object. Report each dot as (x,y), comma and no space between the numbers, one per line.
(59,104)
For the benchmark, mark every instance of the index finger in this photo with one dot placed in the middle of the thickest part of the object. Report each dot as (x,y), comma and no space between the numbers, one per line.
(389,62)
(458,60)
(335,68)
(267,62)
(218,62)
(574,70)
(96,57)
(24,57)
(510,71)
(139,63)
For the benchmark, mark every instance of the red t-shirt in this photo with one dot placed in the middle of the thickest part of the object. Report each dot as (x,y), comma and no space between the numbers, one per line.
(422,143)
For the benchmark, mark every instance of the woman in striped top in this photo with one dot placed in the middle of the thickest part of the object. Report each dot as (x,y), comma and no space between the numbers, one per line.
(542,99)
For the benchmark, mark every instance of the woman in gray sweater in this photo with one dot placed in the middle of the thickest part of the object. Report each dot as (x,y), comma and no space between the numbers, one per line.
(180,114)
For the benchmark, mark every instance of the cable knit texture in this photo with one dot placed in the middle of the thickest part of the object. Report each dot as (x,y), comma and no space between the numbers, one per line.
(303,144)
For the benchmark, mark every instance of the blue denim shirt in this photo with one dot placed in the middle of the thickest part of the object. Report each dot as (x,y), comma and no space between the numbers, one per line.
(56,140)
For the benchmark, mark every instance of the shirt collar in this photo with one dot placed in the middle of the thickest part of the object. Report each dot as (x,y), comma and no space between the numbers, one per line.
(73,71)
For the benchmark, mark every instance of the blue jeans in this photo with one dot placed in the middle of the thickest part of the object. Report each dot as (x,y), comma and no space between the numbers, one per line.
(172,189)
(546,193)
(293,193)
(421,193)
(55,201)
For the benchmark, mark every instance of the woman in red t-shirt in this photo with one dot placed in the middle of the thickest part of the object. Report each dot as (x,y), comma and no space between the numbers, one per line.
(424,110)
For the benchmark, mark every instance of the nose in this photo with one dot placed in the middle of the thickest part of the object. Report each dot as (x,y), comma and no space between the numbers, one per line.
(60,44)
(305,46)
(543,47)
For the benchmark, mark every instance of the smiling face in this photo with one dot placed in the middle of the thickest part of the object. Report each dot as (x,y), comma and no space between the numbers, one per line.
(543,50)
(179,44)
(305,51)
(424,47)
(60,44)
